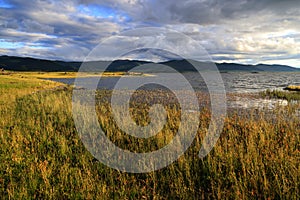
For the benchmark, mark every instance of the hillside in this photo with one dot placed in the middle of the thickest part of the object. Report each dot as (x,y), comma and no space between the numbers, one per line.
(32,64)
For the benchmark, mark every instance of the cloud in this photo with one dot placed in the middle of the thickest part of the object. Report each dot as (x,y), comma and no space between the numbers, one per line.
(199,11)
(56,25)
(249,31)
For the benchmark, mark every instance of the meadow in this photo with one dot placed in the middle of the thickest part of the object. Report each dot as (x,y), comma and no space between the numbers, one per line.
(42,156)
(47,75)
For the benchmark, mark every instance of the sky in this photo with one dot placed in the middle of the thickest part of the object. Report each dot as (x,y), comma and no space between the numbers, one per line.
(237,31)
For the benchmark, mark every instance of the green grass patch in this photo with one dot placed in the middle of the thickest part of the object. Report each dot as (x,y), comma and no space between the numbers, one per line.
(16,85)
(287,95)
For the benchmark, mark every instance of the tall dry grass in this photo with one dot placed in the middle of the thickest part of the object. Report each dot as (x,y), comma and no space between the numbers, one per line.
(257,155)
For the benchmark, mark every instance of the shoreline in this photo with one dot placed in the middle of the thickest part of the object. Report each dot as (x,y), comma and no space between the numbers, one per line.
(70,75)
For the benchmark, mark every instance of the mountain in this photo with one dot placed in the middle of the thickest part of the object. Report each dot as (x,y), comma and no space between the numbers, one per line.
(31,64)
(275,68)
(255,68)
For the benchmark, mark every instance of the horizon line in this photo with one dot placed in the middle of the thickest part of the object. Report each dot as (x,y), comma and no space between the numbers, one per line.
(129,59)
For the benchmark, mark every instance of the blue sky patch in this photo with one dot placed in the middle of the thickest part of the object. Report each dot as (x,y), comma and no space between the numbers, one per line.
(102,12)
(5,4)
(97,11)
(10,45)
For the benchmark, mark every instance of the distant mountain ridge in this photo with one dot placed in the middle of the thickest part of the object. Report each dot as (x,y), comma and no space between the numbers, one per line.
(32,64)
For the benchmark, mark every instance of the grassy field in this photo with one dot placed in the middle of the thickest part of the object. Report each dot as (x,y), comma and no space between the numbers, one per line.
(42,156)
(15,85)
(45,75)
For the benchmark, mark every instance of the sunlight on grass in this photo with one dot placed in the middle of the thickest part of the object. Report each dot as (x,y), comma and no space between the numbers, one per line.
(45,75)
(288,95)
(17,85)
(293,87)
(42,156)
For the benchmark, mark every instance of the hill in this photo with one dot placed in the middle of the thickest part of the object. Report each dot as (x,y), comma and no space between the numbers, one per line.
(32,64)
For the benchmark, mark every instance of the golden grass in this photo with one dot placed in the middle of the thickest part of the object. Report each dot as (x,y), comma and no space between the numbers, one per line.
(45,75)
(293,87)
(15,85)
(42,156)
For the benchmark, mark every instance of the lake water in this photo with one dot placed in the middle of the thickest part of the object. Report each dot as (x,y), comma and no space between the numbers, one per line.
(235,82)
(238,84)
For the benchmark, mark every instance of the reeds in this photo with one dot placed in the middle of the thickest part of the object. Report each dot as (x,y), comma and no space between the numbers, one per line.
(42,156)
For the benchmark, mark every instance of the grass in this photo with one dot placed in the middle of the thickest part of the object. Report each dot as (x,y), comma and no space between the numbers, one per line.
(293,87)
(41,154)
(13,86)
(45,75)
(287,95)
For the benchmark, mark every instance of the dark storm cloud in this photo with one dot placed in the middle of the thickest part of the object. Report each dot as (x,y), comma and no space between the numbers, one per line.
(199,11)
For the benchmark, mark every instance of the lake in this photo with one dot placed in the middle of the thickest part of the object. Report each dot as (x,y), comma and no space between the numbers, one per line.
(235,82)
(238,85)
